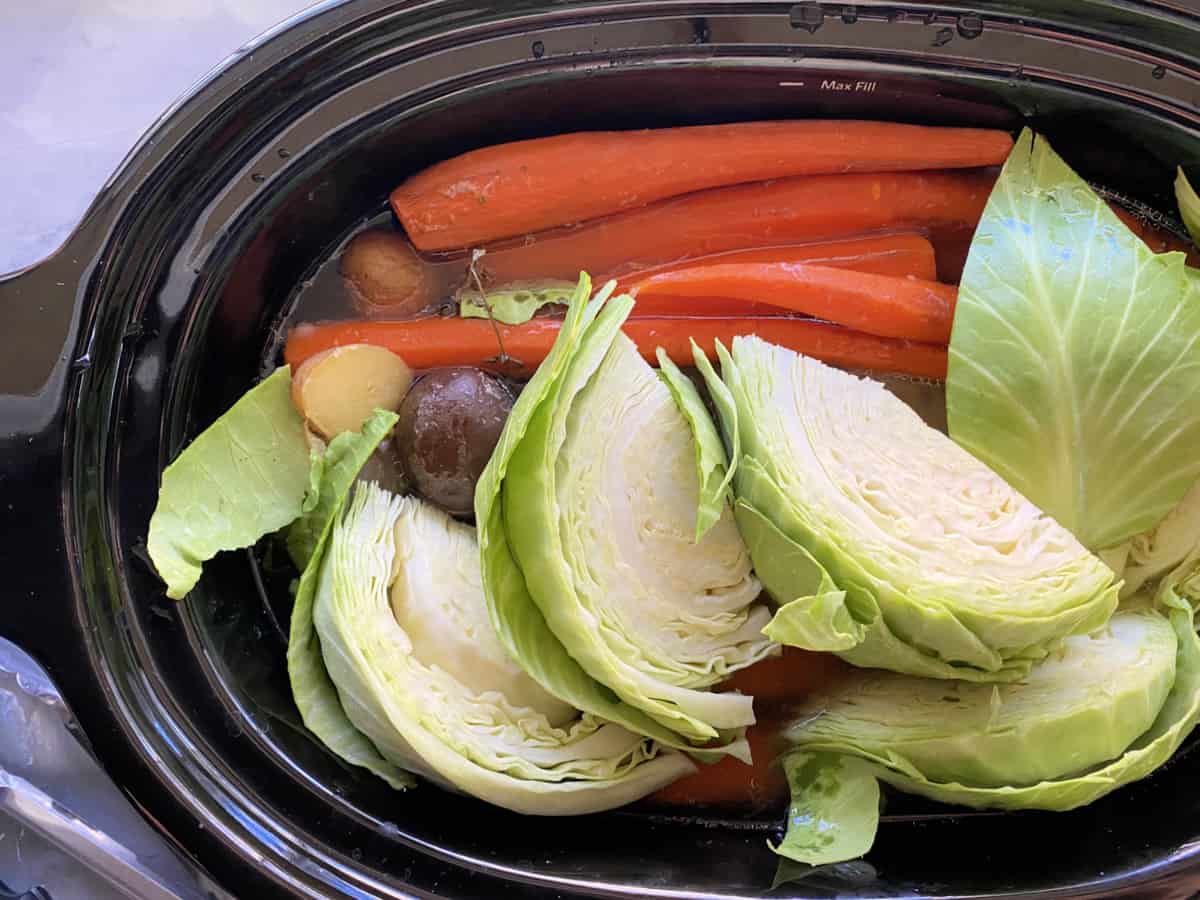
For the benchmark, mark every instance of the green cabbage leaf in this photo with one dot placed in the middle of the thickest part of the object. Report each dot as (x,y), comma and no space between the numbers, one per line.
(243,477)
(1075,356)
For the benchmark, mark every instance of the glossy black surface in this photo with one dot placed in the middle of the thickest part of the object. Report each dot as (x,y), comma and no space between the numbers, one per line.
(165,306)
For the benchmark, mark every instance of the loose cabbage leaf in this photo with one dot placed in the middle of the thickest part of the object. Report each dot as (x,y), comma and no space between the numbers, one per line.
(834,810)
(1075,357)
(1189,205)
(243,477)
(516,305)
(710,452)
(405,637)
(314,693)
(884,541)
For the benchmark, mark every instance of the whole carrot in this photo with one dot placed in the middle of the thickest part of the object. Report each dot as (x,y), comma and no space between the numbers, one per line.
(526,186)
(909,308)
(387,278)
(436,341)
(791,211)
(904,253)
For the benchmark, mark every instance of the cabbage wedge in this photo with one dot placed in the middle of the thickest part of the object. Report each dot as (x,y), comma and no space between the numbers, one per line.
(1104,711)
(884,541)
(594,575)
(404,637)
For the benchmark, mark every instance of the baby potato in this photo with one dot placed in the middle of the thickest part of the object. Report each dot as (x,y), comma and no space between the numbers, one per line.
(337,390)
(386,276)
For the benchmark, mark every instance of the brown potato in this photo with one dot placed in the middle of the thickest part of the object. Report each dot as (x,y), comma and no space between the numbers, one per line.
(449,424)
(386,276)
(337,390)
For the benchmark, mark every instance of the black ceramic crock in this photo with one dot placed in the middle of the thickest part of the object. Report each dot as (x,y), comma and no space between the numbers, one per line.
(166,304)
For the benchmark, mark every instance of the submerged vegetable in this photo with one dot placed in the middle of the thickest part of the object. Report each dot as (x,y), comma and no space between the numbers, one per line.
(1075,358)
(594,578)
(404,636)
(882,539)
(244,477)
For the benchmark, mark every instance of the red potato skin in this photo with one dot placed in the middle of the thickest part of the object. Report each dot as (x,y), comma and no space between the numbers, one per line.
(518,188)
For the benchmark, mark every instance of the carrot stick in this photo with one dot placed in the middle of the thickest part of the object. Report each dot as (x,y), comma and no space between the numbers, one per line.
(516,188)
(792,211)
(731,782)
(779,680)
(909,308)
(883,254)
(432,342)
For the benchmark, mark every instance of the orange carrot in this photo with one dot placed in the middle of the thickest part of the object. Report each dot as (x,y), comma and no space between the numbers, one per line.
(731,782)
(432,342)
(517,188)
(787,678)
(909,308)
(792,211)
(883,254)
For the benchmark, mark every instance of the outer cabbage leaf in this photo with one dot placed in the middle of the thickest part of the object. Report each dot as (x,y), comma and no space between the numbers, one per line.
(834,811)
(947,572)
(1075,356)
(314,693)
(243,477)
(406,639)
(599,502)
(1189,205)
(710,452)
(517,619)
(515,305)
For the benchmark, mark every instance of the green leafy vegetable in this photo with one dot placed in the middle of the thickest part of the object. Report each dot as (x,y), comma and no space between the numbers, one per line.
(515,305)
(884,541)
(1189,205)
(1106,710)
(405,637)
(314,693)
(245,476)
(586,513)
(1154,553)
(1075,358)
(710,452)
(834,811)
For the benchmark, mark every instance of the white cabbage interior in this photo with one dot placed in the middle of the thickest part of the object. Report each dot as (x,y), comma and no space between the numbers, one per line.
(440,697)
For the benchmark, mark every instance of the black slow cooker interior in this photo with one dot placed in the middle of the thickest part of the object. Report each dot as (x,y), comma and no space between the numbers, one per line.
(200,246)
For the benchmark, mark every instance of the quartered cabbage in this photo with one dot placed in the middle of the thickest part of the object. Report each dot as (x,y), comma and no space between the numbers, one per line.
(883,540)
(421,679)
(588,520)
(1103,711)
